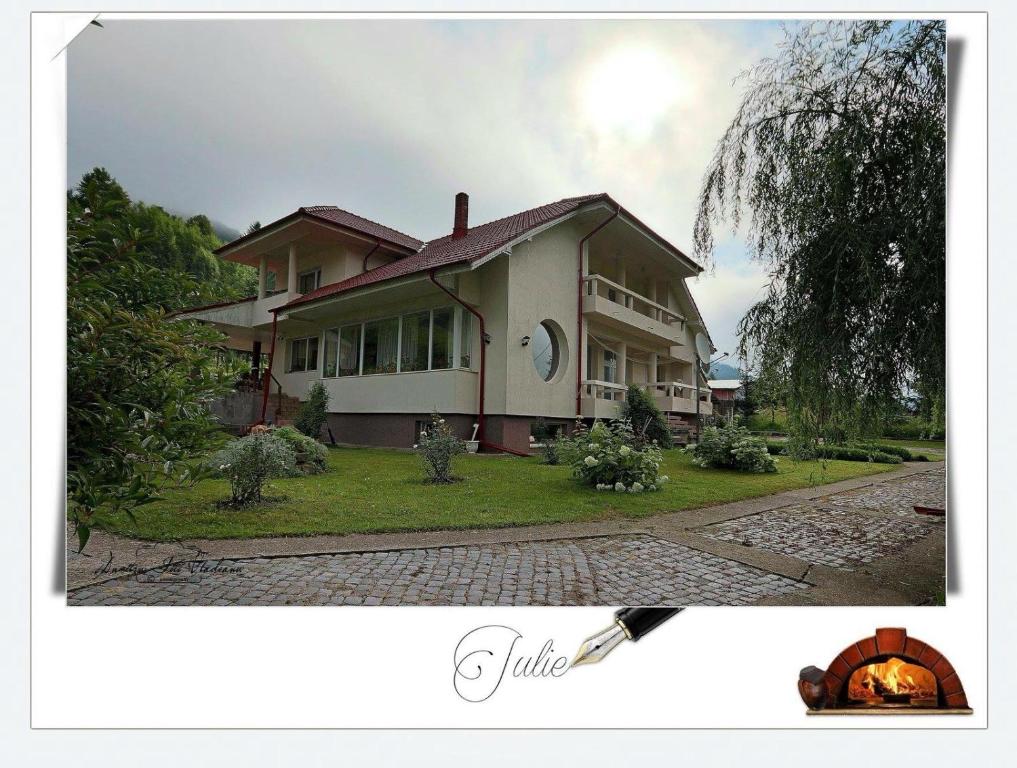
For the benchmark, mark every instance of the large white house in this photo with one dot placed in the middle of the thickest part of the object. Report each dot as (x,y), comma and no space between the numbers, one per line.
(546,314)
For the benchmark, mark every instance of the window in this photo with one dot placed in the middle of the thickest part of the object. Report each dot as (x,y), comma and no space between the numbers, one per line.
(381,346)
(331,352)
(416,341)
(415,338)
(304,354)
(546,347)
(349,350)
(441,338)
(466,340)
(342,351)
(610,365)
(309,281)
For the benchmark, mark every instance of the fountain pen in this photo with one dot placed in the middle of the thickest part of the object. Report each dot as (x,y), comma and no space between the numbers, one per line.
(629,624)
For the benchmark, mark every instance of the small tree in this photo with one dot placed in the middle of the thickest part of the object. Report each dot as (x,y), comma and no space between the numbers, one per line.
(648,422)
(313,413)
(438,446)
(249,461)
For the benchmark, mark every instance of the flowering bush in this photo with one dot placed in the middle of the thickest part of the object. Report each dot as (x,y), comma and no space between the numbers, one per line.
(606,458)
(438,446)
(249,461)
(732,447)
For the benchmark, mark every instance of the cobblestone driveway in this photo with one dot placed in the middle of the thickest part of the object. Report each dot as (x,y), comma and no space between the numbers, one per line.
(610,570)
(843,530)
(847,529)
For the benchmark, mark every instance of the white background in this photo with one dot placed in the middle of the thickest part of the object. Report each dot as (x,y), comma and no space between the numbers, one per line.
(357,667)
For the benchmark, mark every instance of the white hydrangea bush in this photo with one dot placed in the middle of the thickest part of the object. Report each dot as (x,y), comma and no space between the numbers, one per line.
(605,457)
(732,448)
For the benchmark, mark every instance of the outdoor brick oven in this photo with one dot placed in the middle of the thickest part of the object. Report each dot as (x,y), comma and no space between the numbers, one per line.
(888,673)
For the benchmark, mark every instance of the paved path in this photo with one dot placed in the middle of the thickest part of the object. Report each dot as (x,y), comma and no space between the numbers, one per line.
(846,543)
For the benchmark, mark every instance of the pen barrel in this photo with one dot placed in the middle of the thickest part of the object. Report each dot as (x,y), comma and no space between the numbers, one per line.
(641,621)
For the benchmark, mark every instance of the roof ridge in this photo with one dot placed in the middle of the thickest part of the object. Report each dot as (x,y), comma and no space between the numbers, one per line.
(584,198)
(370,221)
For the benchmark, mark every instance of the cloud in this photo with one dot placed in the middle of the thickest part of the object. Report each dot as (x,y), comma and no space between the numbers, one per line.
(723,294)
(246,120)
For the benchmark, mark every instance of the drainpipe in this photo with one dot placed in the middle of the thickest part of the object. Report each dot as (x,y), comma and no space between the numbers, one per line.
(579,311)
(370,253)
(266,384)
(483,368)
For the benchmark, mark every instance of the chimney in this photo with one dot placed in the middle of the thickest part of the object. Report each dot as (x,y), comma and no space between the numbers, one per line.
(462,215)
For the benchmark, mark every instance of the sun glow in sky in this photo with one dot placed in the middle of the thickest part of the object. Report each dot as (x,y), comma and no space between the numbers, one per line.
(628,91)
(246,121)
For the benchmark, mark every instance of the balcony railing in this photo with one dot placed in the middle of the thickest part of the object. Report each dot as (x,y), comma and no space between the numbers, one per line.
(601,399)
(598,285)
(604,390)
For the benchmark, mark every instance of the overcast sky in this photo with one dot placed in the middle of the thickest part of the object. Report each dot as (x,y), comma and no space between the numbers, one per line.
(248,120)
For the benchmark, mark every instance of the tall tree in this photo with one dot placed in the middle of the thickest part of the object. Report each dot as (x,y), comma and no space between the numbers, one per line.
(835,165)
(138,383)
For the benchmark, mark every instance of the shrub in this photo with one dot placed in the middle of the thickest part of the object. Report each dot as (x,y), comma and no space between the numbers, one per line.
(249,461)
(552,452)
(311,455)
(312,415)
(647,421)
(732,448)
(893,450)
(438,446)
(608,457)
(849,453)
(844,453)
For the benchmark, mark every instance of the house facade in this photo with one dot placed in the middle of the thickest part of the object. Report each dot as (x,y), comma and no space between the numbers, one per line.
(546,314)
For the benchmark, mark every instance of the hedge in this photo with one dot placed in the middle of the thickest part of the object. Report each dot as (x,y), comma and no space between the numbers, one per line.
(847,453)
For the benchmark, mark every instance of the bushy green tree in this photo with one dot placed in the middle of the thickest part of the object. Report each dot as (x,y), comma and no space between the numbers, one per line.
(138,383)
(836,160)
(313,412)
(170,242)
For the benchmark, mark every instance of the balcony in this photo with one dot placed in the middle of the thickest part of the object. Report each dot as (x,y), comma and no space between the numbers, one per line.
(678,397)
(616,306)
(603,399)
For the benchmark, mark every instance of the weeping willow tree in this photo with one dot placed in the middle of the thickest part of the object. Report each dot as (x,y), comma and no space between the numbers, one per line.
(834,166)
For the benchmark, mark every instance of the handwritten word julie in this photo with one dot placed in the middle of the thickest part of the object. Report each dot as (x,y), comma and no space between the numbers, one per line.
(486,655)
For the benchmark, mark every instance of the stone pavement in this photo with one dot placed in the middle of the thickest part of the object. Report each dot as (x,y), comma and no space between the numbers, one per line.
(844,530)
(846,543)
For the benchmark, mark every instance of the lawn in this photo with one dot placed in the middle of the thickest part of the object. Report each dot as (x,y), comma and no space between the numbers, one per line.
(937,445)
(376,490)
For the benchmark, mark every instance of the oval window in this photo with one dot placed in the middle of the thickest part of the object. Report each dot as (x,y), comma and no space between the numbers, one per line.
(547,350)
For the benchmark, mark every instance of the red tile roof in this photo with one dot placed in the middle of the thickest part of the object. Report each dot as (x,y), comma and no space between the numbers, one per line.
(478,242)
(339,217)
(359,223)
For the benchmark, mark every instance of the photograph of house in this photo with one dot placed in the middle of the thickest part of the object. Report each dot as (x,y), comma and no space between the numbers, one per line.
(377,339)
(577,300)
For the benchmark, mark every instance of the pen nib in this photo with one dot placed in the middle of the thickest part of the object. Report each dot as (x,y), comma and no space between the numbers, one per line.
(596,647)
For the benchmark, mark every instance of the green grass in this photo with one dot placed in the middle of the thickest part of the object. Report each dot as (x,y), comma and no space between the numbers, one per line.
(765,421)
(939,445)
(376,490)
